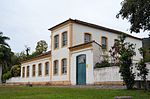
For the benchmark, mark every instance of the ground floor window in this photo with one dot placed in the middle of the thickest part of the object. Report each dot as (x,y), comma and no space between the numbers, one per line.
(40,69)
(46,68)
(64,66)
(33,70)
(23,72)
(28,71)
(55,68)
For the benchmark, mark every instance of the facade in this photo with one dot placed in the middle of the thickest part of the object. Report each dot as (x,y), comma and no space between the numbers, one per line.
(76,47)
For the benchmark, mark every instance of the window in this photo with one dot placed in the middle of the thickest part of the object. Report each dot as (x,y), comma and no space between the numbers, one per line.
(33,70)
(56,41)
(64,66)
(104,43)
(28,70)
(40,69)
(23,72)
(87,37)
(64,39)
(55,67)
(115,41)
(46,68)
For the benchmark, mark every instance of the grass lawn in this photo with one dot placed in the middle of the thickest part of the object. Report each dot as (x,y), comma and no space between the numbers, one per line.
(38,92)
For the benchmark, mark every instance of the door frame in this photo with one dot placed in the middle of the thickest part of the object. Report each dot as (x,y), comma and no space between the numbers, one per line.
(77,68)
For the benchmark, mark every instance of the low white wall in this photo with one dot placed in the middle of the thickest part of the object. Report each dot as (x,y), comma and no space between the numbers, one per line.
(148,67)
(107,74)
(30,79)
(112,74)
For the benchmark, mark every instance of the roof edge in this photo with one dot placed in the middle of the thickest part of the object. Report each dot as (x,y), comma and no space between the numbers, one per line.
(93,26)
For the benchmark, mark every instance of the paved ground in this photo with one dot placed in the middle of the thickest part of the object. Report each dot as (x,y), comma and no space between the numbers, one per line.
(94,86)
(81,86)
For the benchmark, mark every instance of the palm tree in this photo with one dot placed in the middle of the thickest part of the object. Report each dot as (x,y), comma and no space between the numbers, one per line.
(5,52)
(3,40)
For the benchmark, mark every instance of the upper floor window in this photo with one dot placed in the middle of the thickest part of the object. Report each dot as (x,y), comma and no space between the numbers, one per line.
(56,41)
(46,68)
(64,38)
(104,42)
(28,70)
(87,37)
(33,70)
(40,69)
(55,68)
(64,66)
(23,72)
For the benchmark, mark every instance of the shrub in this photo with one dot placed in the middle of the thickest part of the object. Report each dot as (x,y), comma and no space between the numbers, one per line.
(104,63)
(6,75)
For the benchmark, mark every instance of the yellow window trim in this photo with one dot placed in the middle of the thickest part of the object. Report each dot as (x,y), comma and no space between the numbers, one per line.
(88,34)
(58,42)
(106,42)
(62,39)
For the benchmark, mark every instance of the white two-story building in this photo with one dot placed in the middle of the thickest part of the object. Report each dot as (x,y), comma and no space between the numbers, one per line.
(76,47)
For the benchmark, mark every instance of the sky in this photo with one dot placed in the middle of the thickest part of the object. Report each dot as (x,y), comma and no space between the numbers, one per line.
(27,21)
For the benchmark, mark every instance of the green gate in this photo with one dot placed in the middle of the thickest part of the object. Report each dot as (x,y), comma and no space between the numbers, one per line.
(81,70)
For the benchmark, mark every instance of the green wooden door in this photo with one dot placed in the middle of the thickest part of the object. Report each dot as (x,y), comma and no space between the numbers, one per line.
(81,69)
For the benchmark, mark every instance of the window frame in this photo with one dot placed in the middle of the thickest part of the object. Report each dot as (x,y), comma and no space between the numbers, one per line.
(40,69)
(46,71)
(106,42)
(56,44)
(89,35)
(23,72)
(33,70)
(55,67)
(64,42)
(28,71)
(64,66)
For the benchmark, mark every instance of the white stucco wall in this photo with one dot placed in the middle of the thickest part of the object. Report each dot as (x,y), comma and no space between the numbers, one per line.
(0,73)
(36,78)
(112,74)
(107,74)
(78,37)
(97,53)
(89,66)
(148,67)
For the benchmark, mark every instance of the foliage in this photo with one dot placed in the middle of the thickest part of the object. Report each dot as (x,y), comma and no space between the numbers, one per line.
(141,67)
(104,63)
(5,51)
(41,46)
(3,40)
(146,49)
(15,70)
(143,71)
(6,76)
(124,52)
(138,14)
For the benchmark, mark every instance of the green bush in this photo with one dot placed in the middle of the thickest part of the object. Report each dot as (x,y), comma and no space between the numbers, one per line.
(104,63)
(6,75)
(15,70)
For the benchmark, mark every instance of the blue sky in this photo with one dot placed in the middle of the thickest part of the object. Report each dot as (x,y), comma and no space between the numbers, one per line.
(27,21)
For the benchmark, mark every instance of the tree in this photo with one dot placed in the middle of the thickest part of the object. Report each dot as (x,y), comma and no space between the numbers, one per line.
(41,47)
(141,67)
(124,52)
(138,14)
(15,70)
(143,72)
(5,55)
(5,51)
(3,40)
